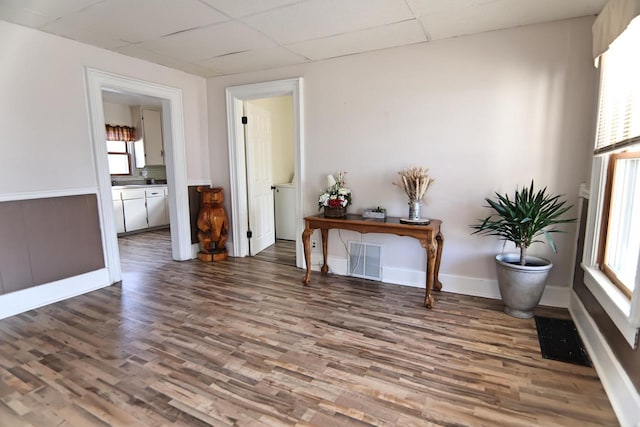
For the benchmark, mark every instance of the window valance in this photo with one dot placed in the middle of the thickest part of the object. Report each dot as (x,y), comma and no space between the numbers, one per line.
(120,133)
(612,21)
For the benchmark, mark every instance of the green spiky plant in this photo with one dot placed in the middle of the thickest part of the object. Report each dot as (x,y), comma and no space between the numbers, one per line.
(524,218)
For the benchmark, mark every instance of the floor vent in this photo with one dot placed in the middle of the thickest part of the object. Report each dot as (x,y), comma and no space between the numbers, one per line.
(364,260)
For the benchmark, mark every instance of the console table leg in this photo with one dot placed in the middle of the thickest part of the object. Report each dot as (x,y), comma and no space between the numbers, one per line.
(306,235)
(431,247)
(325,240)
(437,284)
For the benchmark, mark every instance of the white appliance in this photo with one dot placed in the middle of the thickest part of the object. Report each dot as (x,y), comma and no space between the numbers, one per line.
(285,204)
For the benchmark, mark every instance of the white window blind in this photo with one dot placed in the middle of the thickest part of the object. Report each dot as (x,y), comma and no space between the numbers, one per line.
(619,109)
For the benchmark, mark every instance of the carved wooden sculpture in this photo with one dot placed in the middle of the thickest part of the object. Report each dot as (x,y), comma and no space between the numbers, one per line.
(213,225)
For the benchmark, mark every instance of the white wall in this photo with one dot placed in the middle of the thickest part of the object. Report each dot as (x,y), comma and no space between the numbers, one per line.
(485,113)
(281,109)
(43,110)
(117,114)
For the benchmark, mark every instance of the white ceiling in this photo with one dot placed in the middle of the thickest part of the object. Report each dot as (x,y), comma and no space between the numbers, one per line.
(217,37)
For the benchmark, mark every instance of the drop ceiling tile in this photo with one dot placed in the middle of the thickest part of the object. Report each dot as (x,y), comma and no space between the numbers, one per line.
(22,16)
(443,19)
(199,70)
(98,37)
(253,60)
(391,35)
(53,9)
(425,7)
(320,18)
(207,42)
(140,20)
(552,9)
(147,55)
(36,13)
(237,9)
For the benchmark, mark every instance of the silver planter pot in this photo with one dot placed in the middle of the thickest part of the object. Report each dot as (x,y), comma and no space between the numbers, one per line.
(521,287)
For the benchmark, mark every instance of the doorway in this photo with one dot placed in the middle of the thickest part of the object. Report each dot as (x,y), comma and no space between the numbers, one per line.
(137,162)
(173,132)
(236,96)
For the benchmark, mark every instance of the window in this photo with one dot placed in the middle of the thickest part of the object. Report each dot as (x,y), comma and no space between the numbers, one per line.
(620,240)
(118,157)
(618,140)
(118,138)
(611,258)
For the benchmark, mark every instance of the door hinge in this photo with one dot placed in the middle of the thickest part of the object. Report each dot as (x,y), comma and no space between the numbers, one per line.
(249,234)
(244,120)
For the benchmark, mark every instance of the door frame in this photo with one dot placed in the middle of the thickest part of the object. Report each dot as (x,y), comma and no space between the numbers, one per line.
(237,166)
(98,81)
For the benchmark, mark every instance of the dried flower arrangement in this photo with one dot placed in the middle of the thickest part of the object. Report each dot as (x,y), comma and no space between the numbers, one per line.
(415,181)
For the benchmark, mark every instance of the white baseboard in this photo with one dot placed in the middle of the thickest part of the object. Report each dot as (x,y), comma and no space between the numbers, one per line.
(623,396)
(27,299)
(337,265)
(195,248)
(553,296)
(229,246)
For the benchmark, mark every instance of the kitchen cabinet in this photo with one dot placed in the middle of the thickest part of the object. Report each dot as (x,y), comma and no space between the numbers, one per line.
(135,209)
(149,149)
(118,211)
(156,207)
(140,207)
(166,205)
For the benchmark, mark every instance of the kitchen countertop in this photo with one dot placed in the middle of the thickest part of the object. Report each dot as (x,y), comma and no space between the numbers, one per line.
(122,187)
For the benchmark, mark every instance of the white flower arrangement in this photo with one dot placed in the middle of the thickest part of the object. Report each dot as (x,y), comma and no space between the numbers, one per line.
(337,195)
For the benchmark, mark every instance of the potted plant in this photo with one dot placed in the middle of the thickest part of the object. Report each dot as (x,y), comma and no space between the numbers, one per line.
(522,220)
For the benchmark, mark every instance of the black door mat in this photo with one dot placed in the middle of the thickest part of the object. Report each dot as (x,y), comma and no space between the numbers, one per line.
(559,340)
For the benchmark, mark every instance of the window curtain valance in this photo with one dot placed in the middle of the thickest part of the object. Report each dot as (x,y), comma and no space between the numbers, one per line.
(616,15)
(120,133)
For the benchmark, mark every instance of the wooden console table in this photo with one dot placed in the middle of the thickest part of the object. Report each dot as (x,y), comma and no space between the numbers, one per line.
(429,236)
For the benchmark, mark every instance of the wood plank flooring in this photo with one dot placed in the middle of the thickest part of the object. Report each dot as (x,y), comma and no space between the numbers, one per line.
(281,252)
(243,343)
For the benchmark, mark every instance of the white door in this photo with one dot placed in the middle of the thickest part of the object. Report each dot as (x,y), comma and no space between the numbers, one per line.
(259,178)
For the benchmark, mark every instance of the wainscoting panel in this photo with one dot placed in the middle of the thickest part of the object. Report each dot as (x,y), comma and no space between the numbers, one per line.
(48,239)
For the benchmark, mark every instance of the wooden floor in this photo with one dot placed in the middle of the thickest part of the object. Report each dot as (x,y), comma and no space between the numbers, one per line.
(243,343)
(281,252)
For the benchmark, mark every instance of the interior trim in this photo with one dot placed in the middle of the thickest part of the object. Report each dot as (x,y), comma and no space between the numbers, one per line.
(46,194)
(173,134)
(614,303)
(237,167)
(37,296)
(623,396)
